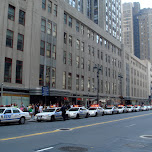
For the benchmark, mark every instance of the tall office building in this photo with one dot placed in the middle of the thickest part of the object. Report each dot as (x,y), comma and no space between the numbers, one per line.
(127,26)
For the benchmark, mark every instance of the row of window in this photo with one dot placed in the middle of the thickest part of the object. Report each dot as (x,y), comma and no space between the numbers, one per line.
(9,40)
(50,6)
(11,15)
(67,84)
(8,70)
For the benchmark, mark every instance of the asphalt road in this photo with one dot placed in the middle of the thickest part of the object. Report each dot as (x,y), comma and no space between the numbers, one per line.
(109,133)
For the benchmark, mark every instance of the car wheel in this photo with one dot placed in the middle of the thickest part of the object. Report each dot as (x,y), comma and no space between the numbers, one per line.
(22,120)
(117,112)
(77,117)
(123,111)
(52,118)
(112,112)
(103,114)
(96,114)
(38,120)
(87,115)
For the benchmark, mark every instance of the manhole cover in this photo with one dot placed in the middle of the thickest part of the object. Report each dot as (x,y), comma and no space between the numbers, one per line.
(73,149)
(146,136)
(136,145)
(64,129)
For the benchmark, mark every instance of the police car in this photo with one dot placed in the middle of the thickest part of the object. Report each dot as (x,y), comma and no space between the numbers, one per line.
(144,108)
(77,112)
(130,108)
(137,108)
(50,114)
(11,114)
(110,110)
(96,110)
(121,109)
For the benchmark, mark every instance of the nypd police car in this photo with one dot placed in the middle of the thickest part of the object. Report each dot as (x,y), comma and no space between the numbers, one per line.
(49,114)
(121,109)
(137,108)
(11,114)
(130,108)
(77,112)
(96,110)
(110,110)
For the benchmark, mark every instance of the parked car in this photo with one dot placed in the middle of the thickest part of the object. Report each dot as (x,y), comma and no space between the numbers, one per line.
(96,110)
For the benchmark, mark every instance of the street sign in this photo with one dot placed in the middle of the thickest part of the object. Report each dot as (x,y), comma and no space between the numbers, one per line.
(45,91)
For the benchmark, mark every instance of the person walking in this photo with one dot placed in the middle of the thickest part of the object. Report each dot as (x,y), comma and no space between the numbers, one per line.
(63,109)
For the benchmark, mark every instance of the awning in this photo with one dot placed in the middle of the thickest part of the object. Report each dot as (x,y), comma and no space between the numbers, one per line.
(102,100)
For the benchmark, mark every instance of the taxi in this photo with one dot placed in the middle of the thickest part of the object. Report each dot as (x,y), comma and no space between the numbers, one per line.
(77,112)
(110,110)
(96,110)
(130,108)
(12,114)
(121,109)
(50,114)
(137,108)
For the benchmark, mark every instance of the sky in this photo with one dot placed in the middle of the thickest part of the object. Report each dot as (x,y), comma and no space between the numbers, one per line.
(143,3)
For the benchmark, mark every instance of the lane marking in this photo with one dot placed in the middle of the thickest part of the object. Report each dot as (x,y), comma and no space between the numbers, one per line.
(131,125)
(78,127)
(44,149)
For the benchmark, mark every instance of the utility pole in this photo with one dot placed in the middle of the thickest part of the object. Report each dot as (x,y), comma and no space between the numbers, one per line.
(1,93)
(120,76)
(98,70)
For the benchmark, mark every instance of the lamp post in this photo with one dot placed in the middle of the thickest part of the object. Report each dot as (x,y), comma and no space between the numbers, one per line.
(1,93)
(120,76)
(98,67)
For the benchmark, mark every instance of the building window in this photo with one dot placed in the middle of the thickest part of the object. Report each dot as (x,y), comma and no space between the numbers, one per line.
(55,9)
(64,80)
(42,48)
(64,57)
(43,4)
(53,77)
(89,82)
(11,12)
(65,18)
(47,79)
(93,85)
(77,44)
(92,51)
(9,38)
(70,22)
(70,59)
(43,25)
(82,46)
(69,81)
(41,76)
(48,50)
(89,65)
(70,40)
(49,6)
(54,52)
(82,83)
(77,61)
(89,49)
(98,54)
(49,27)
(101,55)
(88,33)
(82,63)
(77,26)
(20,42)
(77,82)
(65,38)
(101,86)
(8,70)
(54,30)
(19,68)
(82,29)
(21,17)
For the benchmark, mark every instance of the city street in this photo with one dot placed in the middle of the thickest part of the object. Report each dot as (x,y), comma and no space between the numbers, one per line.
(109,133)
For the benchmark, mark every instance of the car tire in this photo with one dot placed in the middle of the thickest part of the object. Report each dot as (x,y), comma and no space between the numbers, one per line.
(123,111)
(77,117)
(38,120)
(52,118)
(22,120)
(112,113)
(96,114)
(103,114)
(87,115)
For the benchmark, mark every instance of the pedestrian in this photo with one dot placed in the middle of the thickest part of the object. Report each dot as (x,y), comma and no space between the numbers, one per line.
(63,109)
(40,108)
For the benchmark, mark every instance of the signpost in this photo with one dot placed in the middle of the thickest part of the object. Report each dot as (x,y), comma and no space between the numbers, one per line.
(45,92)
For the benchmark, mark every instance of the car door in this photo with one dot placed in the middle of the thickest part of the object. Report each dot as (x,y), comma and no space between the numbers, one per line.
(81,112)
(58,113)
(16,114)
(8,117)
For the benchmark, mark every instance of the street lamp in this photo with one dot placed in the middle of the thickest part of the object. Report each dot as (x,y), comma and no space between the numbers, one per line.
(1,93)
(98,67)
(120,76)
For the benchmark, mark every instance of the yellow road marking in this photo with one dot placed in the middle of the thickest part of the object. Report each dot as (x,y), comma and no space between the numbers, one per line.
(49,132)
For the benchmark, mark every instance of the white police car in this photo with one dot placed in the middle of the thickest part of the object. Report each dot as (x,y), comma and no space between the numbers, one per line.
(121,109)
(96,110)
(49,114)
(130,108)
(77,112)
(137,108)
(11,114)
(144,108)
(110,110)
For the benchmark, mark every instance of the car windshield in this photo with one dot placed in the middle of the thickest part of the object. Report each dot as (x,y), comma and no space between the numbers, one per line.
(128,107)
(92,108)
(2,110)
(74,109)
(108,107)
(48,110)
(119,107)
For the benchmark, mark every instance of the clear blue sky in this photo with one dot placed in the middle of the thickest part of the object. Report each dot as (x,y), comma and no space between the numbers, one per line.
(143,3)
